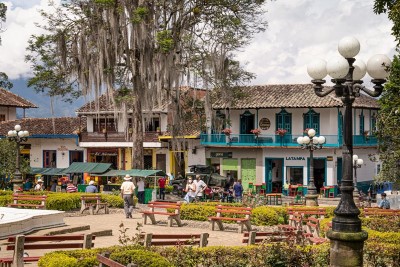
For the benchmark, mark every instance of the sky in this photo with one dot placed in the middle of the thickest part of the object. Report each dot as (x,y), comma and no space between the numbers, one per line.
(299,31)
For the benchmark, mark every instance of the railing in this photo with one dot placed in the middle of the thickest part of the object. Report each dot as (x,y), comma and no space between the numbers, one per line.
(287,140)
(115,137)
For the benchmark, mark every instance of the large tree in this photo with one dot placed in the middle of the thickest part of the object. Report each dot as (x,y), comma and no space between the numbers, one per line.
(389,115)
(149,47)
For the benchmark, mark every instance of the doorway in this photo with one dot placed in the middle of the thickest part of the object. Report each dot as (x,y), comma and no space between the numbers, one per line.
(319,172)
(274,174)
(246,125)
(178,161)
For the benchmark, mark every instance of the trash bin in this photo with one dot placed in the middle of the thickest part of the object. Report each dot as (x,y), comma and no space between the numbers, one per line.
(147,195)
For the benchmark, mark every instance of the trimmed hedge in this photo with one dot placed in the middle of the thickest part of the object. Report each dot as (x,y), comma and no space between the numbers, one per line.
(66,201)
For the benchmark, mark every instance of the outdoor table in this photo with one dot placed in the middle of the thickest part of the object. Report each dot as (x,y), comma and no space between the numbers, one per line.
(293,190)
(274,199)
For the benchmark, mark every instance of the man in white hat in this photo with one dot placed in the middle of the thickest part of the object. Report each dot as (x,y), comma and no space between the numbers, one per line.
(127,191)
(39,185)
(91,188)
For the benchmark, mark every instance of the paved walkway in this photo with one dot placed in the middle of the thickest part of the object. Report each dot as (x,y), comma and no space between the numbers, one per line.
(99,222)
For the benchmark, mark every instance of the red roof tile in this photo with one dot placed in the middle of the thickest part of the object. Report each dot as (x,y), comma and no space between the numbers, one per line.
(9,99)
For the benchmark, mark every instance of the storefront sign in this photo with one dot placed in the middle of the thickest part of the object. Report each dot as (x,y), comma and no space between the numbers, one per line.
(295,158)
(221,154)
(105,154)
(62,148)
(264,124)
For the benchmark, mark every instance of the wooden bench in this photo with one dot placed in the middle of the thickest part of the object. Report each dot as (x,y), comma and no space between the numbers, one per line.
(105,261)
(308,212)
(380,212)
(313,232)
(295,223)
(150,239)
(20,244)
(254,237)
(17,198)
(155,209)
(94,204)
(238,211)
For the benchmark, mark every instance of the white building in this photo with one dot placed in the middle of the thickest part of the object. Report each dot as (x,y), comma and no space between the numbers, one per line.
(274,159)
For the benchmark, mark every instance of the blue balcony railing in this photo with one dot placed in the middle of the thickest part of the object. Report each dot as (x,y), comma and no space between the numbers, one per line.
(288,140)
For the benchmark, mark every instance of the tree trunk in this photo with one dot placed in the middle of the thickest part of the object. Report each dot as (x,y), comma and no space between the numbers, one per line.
(137,125)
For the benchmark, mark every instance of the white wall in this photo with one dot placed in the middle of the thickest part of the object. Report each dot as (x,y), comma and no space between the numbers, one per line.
(9,112)
(62,146)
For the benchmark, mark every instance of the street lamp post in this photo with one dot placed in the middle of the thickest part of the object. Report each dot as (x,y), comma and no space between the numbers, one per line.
(311,142)
(347,238)
(357,163)
(18,136)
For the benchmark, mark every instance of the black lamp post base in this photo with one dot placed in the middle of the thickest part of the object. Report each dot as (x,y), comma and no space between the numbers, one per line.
(346,248)
(311,200)
(356,198)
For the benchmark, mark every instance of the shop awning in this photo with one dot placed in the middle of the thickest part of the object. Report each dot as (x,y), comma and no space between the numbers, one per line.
(47,171)
(89,167)
(134,172)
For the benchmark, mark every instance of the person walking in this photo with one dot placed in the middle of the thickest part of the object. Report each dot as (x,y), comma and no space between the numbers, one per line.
(127,190)
(238,191)
(190,191)
(140,195)
(200,187)
(161,184)
(91,188)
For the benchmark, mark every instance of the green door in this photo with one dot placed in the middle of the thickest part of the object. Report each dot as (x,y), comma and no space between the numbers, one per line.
(248,172)
(268,174)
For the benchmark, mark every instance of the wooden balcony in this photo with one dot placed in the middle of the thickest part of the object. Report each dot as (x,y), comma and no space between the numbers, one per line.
(115,137)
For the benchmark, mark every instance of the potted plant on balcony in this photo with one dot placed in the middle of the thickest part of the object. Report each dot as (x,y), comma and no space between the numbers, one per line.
(256,132)
(281,132)
(227,131)
(366,135)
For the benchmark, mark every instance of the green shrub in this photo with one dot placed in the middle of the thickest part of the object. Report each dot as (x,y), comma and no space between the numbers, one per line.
(264,216)
(168,189)
(386,237)
(5,200)
(197,212)
(58,259)
(63,201)
(382,224)
(112,200)
(140,258)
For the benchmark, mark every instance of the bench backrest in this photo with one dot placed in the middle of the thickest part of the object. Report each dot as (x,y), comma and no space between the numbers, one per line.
(246,211)
(313,226)
(296,221)
(380,212)
(307,212)
(25,197)
(173,206)
(39,242)
(254,237)
(150,239)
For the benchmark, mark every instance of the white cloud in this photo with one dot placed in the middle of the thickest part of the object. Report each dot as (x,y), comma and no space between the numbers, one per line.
(20,25)
(299,30)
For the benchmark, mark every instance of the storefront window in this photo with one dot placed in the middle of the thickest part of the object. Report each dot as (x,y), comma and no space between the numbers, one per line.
(294,175)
